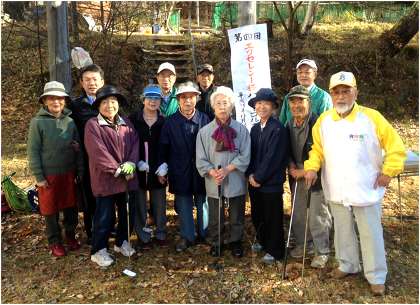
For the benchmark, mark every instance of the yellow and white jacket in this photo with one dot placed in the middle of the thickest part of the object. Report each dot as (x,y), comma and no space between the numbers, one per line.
(350,152)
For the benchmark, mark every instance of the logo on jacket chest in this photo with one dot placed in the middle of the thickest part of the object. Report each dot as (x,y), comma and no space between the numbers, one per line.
(356,137)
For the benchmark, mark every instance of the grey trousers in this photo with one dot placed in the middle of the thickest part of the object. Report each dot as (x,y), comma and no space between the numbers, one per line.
(158,201)
(369,224)
(53,228)
(319,223)
(236,219)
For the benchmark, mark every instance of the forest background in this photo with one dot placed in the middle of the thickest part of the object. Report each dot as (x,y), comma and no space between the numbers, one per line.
(30,274)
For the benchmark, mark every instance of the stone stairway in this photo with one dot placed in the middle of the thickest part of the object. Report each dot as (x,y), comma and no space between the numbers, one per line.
(175,49)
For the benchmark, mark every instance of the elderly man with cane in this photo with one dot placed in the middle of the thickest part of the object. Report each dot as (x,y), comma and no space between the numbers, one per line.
(299,129)
(348,143)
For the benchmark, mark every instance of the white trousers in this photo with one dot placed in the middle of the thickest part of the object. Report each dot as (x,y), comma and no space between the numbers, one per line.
(371,240)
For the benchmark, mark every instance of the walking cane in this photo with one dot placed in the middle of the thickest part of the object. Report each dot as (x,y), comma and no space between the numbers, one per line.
(288,235)
(306,232)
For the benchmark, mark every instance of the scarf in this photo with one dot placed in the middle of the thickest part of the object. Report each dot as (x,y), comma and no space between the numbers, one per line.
(224,136)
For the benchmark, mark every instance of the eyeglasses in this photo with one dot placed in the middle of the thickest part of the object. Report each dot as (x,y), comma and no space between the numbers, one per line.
(154,99)
(307,72)
(219,105)
(163,76)
(295,103)
(345,93)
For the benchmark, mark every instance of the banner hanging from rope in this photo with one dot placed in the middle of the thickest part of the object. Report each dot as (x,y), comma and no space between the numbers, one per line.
(250,68)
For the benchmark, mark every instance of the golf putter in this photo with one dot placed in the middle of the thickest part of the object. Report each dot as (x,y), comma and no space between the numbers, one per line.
(216,263)
(306,233)
(127,196)
(288,235)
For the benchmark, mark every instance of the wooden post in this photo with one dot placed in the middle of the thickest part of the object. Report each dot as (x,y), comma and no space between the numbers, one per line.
(59,43)
(247,13)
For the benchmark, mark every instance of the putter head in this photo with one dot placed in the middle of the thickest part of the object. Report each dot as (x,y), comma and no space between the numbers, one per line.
(147,230)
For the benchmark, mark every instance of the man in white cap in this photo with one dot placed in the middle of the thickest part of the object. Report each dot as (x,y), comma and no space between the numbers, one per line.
(166,77)
(307,71)
(348,143)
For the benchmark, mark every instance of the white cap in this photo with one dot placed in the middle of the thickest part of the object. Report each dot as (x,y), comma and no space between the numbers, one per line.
(308,62)
(166,66)
(342,78)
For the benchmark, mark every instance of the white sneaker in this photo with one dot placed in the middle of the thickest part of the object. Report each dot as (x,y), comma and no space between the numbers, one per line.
(102,258)
(319,260)
(298,251)
(124,249)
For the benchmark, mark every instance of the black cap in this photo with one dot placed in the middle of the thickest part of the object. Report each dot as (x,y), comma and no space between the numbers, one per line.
(205,67)
(265,94)
(106,91)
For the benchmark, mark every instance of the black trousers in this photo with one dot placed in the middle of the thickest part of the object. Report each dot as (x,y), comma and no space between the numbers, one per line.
(267,218)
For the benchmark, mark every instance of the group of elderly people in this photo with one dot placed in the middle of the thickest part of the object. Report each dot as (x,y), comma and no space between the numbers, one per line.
(208,164)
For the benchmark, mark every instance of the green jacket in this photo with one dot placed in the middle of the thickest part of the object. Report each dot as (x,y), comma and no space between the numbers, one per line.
(172,105)
(49,145)
(321,102)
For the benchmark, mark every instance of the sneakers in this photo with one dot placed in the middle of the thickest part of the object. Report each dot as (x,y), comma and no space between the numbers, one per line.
(72,242)
(146,245)
(319,260)
(268,258)
(256,247)
(298,251)
(236,249)
(102,258)
(377,289)
(124,249)
(163,243)
(182,245)
(58,250)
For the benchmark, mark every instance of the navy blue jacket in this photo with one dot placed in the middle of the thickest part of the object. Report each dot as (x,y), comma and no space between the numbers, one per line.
(151,135)
(178,138)
(269,155)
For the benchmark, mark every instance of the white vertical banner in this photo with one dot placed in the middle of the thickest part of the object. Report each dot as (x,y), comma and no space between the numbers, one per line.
(250,68)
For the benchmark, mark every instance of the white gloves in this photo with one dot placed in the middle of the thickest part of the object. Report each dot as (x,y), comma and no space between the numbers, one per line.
(162,170)
(142,166)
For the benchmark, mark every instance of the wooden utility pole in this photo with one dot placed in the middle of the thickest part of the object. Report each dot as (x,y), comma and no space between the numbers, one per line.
(59,43)
(247,13)
(198,13)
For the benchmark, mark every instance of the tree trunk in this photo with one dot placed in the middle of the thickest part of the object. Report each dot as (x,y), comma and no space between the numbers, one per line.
(59,43)
(206,13)
(392,41)
(310,17)
(75,21)
(198,13)
(247,13)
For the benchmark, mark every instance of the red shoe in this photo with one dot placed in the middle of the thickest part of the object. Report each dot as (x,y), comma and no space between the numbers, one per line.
(72,242)
(58,250)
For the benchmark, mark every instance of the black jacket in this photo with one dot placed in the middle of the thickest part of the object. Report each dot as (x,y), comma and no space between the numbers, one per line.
(151,135)
(311,120)
(203,103)
(269,155)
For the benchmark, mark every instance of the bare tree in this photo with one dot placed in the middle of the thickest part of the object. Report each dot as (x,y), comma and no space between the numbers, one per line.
(310,17)
(392,41)
(290,29)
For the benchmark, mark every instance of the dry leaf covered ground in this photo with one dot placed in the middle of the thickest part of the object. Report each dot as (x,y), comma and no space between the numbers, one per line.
(30,273)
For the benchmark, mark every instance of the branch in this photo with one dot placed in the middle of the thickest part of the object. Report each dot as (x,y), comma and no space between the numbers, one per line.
(281,18)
